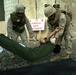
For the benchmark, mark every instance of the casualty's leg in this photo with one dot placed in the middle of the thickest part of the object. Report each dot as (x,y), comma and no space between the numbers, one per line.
(19,50)
(5,42)
(25,52)
(13,46)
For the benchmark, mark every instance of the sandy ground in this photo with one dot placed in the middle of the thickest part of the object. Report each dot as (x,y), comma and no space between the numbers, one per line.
(6,62)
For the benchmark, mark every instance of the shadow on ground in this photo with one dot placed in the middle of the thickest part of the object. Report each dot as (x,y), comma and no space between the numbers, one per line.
(62,67)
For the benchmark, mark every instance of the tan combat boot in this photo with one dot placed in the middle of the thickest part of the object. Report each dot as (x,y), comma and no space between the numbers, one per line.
(55,57)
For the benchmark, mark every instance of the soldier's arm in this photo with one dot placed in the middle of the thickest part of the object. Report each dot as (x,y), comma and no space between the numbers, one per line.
(57,29)
(29,27)
(50,35)
(62,24)
(9,27)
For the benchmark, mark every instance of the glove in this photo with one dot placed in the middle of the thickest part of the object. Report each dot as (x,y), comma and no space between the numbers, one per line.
(34,39)
(52,40)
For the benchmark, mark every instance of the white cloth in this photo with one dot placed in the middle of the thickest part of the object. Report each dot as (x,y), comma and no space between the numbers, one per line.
(22,44)
(52,40)
(1,49)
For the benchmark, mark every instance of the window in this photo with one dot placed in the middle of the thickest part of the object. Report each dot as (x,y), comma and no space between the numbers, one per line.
(2,13)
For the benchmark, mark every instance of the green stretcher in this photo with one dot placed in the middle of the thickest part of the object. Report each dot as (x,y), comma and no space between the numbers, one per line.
(30,54)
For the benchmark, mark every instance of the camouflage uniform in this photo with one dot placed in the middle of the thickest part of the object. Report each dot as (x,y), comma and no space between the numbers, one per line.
(13,33)
(61,19)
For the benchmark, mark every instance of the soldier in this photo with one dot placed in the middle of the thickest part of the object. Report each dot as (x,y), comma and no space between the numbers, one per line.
(16,25)
(63,20)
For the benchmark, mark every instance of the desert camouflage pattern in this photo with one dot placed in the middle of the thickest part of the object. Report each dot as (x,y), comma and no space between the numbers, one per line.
(64,32)
(14,35)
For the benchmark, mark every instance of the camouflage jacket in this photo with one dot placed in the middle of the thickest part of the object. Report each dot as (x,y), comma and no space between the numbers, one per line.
(28,25)
(62,20)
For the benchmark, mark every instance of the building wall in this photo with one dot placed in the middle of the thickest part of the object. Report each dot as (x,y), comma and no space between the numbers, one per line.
(30,8)
(3,27)
(9,6)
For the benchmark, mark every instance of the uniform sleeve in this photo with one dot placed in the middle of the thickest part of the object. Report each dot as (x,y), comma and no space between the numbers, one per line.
(9,27)
(28,25)
(62,23)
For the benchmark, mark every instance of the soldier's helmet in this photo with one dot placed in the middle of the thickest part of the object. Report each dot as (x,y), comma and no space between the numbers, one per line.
(49,10)
(20,8)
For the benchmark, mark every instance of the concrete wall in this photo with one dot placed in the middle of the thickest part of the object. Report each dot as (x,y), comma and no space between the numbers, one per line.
(8,7)
(3,27)
(30,8)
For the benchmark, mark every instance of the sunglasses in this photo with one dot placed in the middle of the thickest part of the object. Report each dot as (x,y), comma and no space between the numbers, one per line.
(19,13)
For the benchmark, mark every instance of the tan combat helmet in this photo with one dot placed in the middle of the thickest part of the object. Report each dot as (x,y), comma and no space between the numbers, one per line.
(20,8)
(49,10)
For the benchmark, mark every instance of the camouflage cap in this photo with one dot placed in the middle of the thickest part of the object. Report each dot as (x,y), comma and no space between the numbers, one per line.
(49,10)
(20,8)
